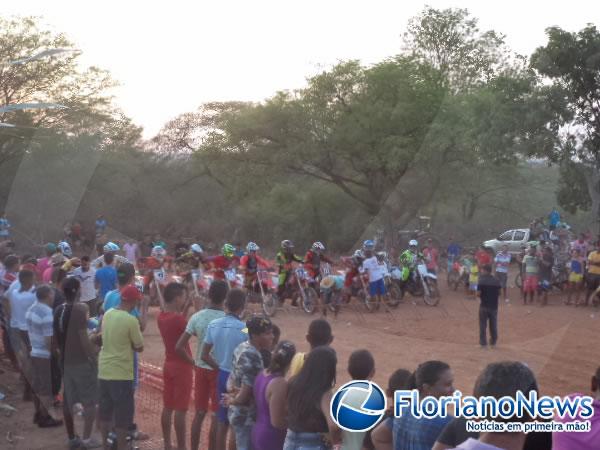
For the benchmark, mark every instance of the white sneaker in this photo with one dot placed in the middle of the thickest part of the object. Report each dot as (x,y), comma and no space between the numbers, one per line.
(92,442)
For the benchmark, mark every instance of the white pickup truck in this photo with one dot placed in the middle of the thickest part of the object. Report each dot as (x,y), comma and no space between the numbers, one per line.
(514,239)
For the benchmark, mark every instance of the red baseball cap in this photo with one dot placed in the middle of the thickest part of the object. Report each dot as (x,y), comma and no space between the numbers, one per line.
(130,294)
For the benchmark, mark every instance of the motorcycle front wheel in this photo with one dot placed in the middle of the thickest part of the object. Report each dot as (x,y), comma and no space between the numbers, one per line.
(269,304)
(432,298)
(310,300)
(394,295)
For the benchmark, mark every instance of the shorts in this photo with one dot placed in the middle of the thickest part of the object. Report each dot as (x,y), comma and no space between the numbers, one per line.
(222,389)
(377,288)
(575,277)
(530,284)
(81,384)
(177,386)
(473,286)
(593,281)
(502,278)
(41,376)
(116,401)
(205,389)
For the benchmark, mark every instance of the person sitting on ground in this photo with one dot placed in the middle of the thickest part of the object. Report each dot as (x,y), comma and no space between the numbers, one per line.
(319,334)
(432,378)
(270,394)
(361,366)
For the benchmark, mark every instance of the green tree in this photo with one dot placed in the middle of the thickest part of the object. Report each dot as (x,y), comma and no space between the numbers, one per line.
(571,60)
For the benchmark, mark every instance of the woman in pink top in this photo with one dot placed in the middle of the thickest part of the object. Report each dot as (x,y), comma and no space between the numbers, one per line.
(44,263)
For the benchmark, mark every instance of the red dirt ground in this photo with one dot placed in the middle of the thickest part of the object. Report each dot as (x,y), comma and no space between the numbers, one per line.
(556,341)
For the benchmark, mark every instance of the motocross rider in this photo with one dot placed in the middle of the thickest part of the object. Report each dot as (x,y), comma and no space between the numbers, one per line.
(408,259)
(313,258)
(109,247)
(285,259)
(250,263)
(225,261)
(154,262)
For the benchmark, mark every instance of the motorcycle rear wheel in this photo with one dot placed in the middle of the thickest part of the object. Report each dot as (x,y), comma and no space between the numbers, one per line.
(310,299)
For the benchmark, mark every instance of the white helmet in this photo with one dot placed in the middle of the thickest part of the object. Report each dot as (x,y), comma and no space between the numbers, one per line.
(158,252)
(252,247)
(318,246)
(413,243)
(65,249)
(359,254)
(111,247)
(195,248)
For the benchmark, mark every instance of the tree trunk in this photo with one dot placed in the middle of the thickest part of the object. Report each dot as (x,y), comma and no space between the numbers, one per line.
(592,180)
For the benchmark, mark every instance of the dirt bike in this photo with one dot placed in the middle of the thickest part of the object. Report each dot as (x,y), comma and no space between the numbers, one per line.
(422,283)
(457,276)
(299,286)
(560,278)
(263,290)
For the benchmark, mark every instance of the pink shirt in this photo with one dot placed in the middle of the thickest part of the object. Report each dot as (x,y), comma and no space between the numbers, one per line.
(42,265)
(47,275)
(431,257)
(579,441)
(130,251)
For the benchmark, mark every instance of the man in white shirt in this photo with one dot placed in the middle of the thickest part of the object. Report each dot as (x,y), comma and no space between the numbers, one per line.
(502,263)
(86,276)
(376,271)
(39,319)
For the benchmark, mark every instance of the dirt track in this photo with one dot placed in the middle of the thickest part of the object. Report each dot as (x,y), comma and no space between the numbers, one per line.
(558,342)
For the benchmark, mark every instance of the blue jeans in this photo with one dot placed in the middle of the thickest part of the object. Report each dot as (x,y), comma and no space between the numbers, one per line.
(304,441)
(243,437)
(222,389)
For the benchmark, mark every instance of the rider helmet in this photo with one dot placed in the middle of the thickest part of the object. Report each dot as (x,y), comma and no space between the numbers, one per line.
(228,250)
(368,245)
(413,243)
(111,247)
(158,252)
(318,246)
(50,248)
(195,248)
(359,254)
(252,247)
(65,249)
(287,244)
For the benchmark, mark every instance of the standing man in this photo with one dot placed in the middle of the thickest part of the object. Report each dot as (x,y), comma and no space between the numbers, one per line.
(39,330)
(593,275)
(483,257)
(431,255)
(106,277)
(121,337)
(222,338)
(502,261)
(132,251)
(205,384)
(546,262)
(4,228)
(454,250)
(100,225)
(554,218)
(531,271)
(86,276)
(489,291)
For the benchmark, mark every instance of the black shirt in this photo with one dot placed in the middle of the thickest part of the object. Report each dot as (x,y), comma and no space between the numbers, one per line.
(69,320)
(489,288)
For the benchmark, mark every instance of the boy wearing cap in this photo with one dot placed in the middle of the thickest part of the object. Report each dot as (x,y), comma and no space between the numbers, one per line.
(222,338)
(247,364)
(121,337)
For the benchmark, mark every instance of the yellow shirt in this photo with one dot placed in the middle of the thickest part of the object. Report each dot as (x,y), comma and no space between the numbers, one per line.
(296,364)
(120,333)
(594,258)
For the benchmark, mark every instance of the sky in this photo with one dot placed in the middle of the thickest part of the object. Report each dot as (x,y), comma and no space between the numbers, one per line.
(170,57)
